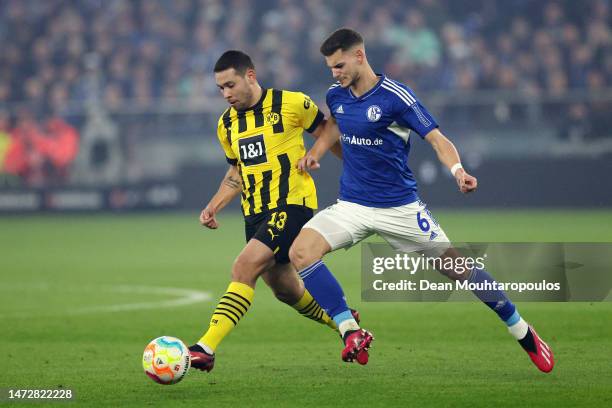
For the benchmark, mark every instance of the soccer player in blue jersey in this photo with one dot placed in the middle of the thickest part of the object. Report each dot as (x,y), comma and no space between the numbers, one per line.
(374,116)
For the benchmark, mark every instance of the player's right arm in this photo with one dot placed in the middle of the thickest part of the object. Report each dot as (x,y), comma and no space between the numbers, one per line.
(328,136)
(230,187)
(335,148)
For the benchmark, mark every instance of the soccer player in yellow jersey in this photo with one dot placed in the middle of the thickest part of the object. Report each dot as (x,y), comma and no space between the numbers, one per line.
(261,135)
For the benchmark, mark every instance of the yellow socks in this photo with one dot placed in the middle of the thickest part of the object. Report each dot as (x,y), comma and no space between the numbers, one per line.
(309,308)
(232,306)
(236,302)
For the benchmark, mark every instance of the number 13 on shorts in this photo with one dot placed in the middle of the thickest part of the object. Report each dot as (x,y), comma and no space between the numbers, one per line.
(278,220)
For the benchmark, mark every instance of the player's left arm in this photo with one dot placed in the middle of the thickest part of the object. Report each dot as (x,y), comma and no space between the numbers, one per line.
(448,155)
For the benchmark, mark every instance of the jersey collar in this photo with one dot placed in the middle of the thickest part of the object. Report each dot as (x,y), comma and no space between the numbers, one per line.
(371,91)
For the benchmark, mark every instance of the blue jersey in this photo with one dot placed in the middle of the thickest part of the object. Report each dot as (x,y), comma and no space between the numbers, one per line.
(376,130)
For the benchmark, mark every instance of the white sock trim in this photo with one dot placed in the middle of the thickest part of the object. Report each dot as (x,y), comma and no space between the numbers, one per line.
(349,324)
(519,329)
(206,348)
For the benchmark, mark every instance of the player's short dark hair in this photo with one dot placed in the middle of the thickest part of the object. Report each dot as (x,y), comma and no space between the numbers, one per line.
(341,39)
(234,59)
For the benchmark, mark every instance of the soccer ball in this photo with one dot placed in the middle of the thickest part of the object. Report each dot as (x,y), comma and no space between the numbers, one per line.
(166,360)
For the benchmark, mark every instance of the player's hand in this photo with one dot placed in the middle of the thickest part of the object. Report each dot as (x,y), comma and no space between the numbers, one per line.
(466,182)
(308,162)
(207,218)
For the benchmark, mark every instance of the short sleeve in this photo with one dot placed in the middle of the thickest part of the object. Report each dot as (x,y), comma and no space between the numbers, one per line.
(307,111)
(417,118)
(224,136)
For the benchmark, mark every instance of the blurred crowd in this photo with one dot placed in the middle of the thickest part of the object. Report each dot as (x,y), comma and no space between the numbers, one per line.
(60,53)
(149,49)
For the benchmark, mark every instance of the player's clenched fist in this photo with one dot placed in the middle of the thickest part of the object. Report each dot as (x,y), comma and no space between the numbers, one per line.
(207,219)
(466,182)
(308,162)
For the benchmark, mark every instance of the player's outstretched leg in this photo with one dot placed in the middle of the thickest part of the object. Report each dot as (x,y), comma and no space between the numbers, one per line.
(539,352)
(305,254)
(486,290)
(234,304)
(322,283)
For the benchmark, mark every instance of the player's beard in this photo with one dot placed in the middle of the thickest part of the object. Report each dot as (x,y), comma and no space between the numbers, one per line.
(244,102)
(354,79)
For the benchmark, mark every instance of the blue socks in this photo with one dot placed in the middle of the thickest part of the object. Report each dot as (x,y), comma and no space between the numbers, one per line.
(495,299)
(326,290)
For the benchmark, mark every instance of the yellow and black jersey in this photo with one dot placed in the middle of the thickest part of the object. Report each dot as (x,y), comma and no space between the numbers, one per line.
(266,142)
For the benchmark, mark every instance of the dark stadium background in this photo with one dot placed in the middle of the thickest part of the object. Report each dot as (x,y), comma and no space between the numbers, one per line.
(524,88)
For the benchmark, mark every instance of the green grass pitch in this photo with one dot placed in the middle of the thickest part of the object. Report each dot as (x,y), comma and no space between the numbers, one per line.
(61,277)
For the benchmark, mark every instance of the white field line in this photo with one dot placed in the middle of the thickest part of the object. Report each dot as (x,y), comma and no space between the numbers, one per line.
(183,297)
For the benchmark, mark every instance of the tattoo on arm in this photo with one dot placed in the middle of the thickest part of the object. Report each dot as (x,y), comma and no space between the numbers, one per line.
(232,182)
